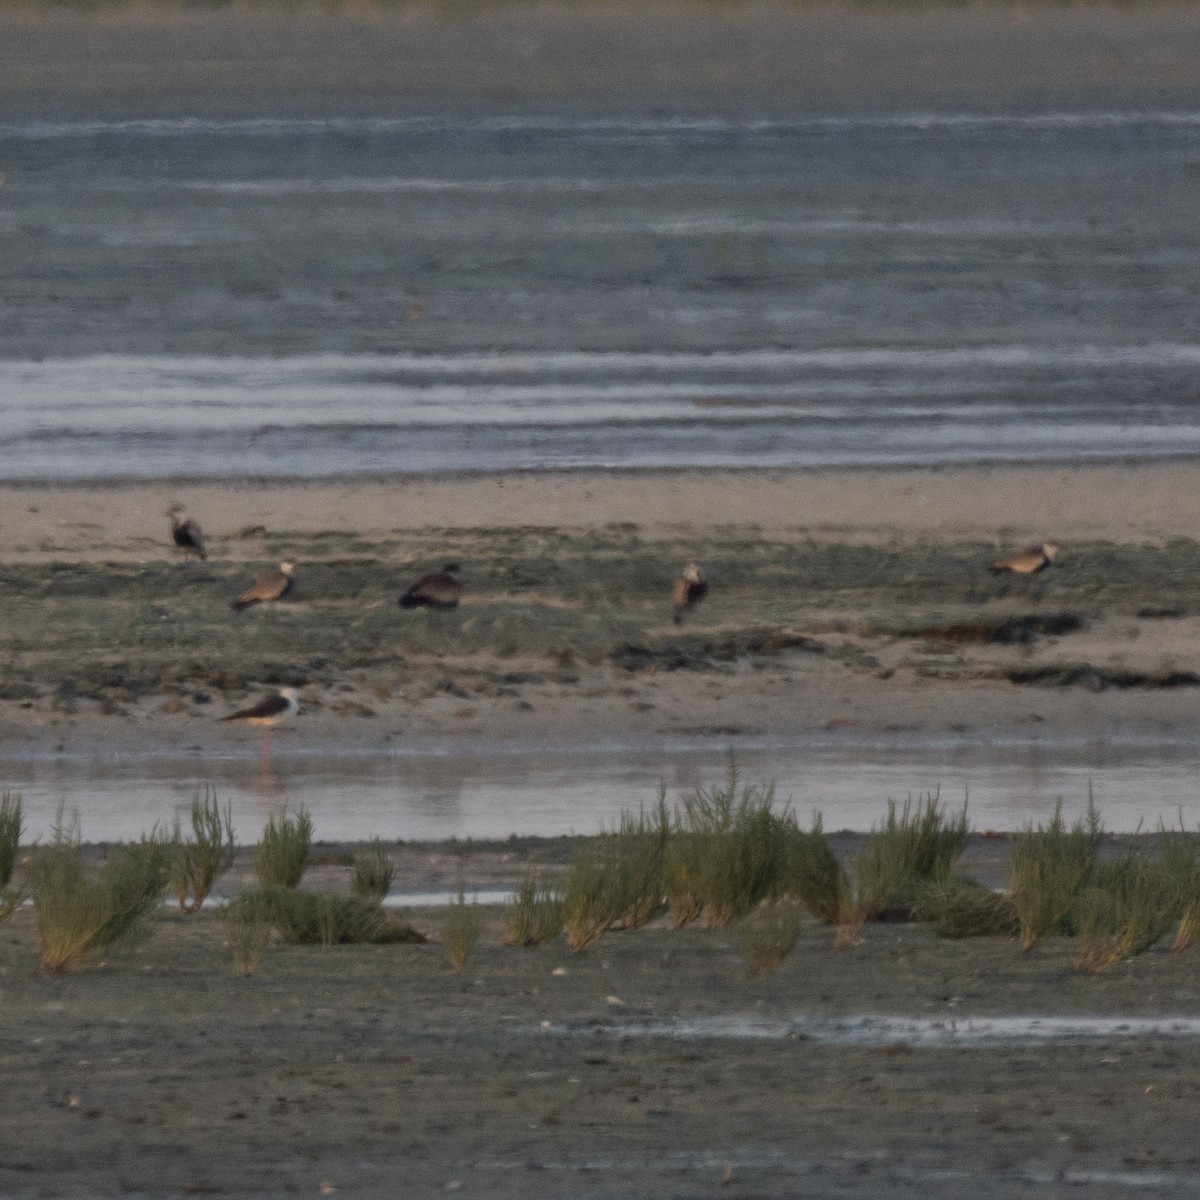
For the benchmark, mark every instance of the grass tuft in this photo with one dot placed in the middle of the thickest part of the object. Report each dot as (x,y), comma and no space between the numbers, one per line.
(1130,903)
(916,845)
(373,873)
(729,851)
(11,828)
(814,876)
(282,853)
(1051,867)
(248,924)
(768,935)
(196,864)
(80,912)
(462,927)
(616,879)
(537,912)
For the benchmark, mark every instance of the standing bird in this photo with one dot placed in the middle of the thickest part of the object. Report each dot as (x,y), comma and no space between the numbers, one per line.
(438,589)
(1028,561)
(690,588)
(270,587)
(266,714)
(185,532)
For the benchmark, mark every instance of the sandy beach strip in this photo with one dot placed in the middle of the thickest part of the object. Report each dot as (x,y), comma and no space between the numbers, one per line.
(162,58)
(1116,503)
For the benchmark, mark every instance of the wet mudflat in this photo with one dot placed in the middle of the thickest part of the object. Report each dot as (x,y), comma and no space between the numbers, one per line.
(362,1070)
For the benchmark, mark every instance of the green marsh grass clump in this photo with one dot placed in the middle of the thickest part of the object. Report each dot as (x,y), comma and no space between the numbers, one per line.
(282,853)
(960,908)
(1178,853)
(462,927)
(195,864)
(373,872)
(11,828)
(916,845)
(768,935)
(1051,867)
(1131,902)
(537,912)
(616,879)
(82,912)
(248,926)
(814,876)
(729,851)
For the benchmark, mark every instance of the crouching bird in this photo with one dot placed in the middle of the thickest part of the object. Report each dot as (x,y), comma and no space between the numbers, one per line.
(690,588)
(438,589)
(269,588)
(266,714)
(1028,561)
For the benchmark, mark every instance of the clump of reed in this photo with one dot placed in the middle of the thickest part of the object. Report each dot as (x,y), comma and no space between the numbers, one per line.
(282,852)
(1130,903)
(616,879)
(960,908)
(462,927)
(1178,854)
(373,872)
(537,912)
(11,828)
(248,926)
(317,918)
(1051,867)
(916,845)
(729,850)
(815,877)
(768,934)
(82,912)
(195,864)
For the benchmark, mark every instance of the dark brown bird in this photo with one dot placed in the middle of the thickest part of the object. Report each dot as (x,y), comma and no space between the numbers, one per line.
(438,589)
(270,587)
(1028,561)
(185,532)
(266,714)
(690,588)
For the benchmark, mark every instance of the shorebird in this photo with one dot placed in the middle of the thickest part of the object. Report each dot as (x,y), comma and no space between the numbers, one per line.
(266,714)
(690,588)
(185,532)
(270,587)
(1028,561)
(438,589)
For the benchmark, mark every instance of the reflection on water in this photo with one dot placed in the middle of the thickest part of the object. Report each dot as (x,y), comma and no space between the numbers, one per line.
(476,794)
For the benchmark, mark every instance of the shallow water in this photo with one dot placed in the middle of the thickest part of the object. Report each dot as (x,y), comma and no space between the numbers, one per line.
(320,296)
(887,1030)
(470,791)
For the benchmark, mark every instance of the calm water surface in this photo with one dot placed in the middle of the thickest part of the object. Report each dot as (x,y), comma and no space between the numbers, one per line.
(469,793)
(320,296)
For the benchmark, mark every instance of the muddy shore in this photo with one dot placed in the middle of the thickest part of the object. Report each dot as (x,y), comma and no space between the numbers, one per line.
(651,1064)
(859,602)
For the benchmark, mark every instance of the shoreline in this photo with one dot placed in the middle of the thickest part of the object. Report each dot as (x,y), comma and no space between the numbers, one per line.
(1132,501)
(844,605)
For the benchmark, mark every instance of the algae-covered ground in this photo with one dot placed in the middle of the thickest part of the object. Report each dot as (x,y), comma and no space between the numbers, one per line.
(583,609)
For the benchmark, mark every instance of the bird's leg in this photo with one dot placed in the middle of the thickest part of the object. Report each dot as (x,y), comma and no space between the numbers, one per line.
(266,751)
